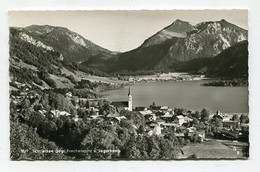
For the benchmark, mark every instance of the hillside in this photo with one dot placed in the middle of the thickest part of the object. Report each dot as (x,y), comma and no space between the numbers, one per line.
(230,63)
(183,42)
(36,62)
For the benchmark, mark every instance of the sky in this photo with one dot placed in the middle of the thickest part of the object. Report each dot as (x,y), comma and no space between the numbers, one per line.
(122,30)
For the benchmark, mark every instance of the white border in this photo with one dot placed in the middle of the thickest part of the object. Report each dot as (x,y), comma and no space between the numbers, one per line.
(254,58)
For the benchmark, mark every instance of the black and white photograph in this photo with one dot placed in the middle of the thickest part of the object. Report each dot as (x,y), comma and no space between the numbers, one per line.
(129,85)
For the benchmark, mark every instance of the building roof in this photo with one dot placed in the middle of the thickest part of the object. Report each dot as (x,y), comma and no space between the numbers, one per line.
(111,115)
(180,117)
(146,112)
(64,113)
(140,108)
(179,134)
(164,107)
(119,118)
(167,115)
(170,124)
(55,112)
(153,124)
(120,104)
(150,114)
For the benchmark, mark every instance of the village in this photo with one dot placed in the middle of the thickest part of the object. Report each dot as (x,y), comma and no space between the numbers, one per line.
(159,120)
(164,77)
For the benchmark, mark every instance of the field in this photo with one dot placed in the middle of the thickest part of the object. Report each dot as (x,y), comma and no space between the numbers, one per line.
(213,149)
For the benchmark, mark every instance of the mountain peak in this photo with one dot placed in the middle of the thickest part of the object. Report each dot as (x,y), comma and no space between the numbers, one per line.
(41,29)
(223,20)
(180,21)
(178,29)
(73,46)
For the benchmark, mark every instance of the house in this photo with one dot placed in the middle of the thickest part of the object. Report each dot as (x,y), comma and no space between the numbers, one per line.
(201,134)
(167,117)
(68,94)
(76,118)
(159,113)
(112,115)
(131,79)
(150,117)
(54,113)
(164,108)
(95,110)
(179,134)
(179,119)
(152,124)
(225,118)
(155,131)
(170,125)
(159,121)
(118,119)
(146,112)
(156,108)
(191,129)
(222,116)
(230,124)
(57,113)
(122,105)
(43,112)
(64,113)
(140,108)
(171,111)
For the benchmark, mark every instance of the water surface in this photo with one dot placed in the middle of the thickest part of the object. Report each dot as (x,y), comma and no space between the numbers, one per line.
(186,94)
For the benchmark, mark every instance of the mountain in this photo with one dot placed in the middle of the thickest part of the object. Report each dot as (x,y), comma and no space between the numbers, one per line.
(38,60)
(178,29)
(180,42)
(70,45)
(180,46)
(230,63)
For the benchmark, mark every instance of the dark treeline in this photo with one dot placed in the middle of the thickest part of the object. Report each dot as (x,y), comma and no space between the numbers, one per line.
(224,83)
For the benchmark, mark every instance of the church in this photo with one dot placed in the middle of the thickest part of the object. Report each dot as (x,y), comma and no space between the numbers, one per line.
(124,105)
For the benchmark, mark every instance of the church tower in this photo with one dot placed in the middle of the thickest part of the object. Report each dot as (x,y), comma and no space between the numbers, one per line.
(130,100)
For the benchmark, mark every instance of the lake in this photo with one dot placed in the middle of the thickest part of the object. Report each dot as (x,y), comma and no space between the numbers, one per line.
(185,94)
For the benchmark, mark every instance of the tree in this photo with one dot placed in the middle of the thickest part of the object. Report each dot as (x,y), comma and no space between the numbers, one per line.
(244,119)
(25,104)
(99,139)
(87,104)
(24,140)
(195,121)
(205,115)
(235,117)
(153,147)
(197,115)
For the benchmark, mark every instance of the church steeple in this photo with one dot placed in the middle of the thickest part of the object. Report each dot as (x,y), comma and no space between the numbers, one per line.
(130,103)
(129,92)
